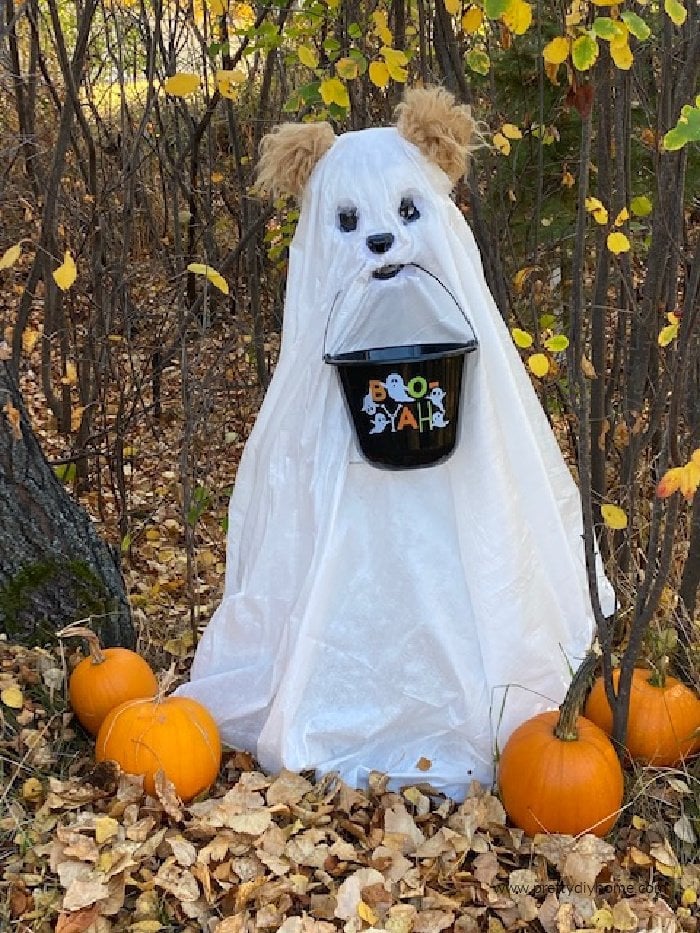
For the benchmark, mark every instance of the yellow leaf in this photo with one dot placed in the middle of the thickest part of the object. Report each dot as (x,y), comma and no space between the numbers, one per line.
(453,6)
(510,131)
(618,243)
(602,919)
(32,790)
(386,35)
(552,70)
(501,143)
(684,479)
(567,179)
(398,73)
(621,54)
(10,256)
(29,338)
(218,7)
(676,11)
(76,417)
(521,275)
(12,697)
(667,334)
(521,338)
(70,377)
(472,20)
(584,52)
(518,17)
(182,84)
(333,91)
(639,822)
(216,279)
(613,516)
(217,177)
(557,343)
(394,56)
(641,206)
(588,369)
(539,364)
(379,74)
(66,273)
(105,828)
(689,897)
(622,217)
(227,82)
(365,912)
(243,15)
(307,56)
(346,68)
(556,51)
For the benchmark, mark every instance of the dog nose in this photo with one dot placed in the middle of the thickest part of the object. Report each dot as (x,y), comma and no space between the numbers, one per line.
(380,242)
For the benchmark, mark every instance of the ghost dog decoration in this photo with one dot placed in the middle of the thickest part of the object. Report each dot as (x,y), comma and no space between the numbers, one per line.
(376,619)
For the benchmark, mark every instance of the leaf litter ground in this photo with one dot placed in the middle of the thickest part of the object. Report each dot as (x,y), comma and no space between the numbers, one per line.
(84,849)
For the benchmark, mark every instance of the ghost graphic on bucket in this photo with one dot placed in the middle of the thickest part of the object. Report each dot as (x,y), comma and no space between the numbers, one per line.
(418,405)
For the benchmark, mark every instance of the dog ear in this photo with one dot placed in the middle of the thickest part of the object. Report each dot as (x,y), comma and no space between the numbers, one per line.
(288,155)
(431,119)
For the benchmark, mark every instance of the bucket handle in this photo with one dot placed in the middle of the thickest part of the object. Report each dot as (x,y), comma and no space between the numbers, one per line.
(327,356)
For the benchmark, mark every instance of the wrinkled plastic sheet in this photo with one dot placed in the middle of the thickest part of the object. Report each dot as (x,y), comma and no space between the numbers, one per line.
(373,619)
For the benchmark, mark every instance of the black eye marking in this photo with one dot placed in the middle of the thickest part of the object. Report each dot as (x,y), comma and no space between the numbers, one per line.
(347,218)
(408,212)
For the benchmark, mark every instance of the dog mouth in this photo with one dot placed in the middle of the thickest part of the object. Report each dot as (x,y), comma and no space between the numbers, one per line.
(387,272)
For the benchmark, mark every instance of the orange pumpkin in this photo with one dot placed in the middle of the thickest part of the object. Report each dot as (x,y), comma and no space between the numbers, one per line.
(559,773)
(176,735)
(663,726)
(106,678)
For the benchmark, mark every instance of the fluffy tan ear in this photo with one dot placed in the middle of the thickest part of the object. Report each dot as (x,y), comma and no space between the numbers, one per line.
(288,155)
(442,129)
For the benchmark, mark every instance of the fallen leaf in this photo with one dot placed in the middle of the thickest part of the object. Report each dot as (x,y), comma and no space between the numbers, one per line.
(13,416)
(12,696)
(77,921)
(586,860)
(350,891)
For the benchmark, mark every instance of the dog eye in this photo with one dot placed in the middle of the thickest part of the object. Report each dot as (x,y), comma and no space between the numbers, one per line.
(347,218)
(408,212)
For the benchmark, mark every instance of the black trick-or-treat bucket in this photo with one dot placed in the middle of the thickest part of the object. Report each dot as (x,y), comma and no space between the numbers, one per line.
(404,400)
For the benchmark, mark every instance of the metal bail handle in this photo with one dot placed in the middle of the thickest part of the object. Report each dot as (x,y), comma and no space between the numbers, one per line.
(327,357)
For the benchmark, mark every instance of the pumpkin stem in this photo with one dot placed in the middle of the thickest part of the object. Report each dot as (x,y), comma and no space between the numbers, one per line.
(78,630)
(165,683)
(657,678)
(575,698)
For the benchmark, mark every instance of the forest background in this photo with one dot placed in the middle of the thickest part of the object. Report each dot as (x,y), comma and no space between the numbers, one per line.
(142,279)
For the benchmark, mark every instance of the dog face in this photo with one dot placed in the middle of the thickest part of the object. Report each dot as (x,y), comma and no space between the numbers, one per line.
(372,201)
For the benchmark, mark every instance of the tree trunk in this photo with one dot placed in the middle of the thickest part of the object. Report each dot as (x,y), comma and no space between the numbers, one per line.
(54,568)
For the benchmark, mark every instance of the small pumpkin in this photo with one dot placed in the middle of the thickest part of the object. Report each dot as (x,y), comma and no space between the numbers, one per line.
(176,735)
(106,678)
(663,725)
(559,772)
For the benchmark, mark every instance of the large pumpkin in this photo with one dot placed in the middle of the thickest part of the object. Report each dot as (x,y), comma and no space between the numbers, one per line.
(559,773)
(663,726)
(176,735)
(106,678)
